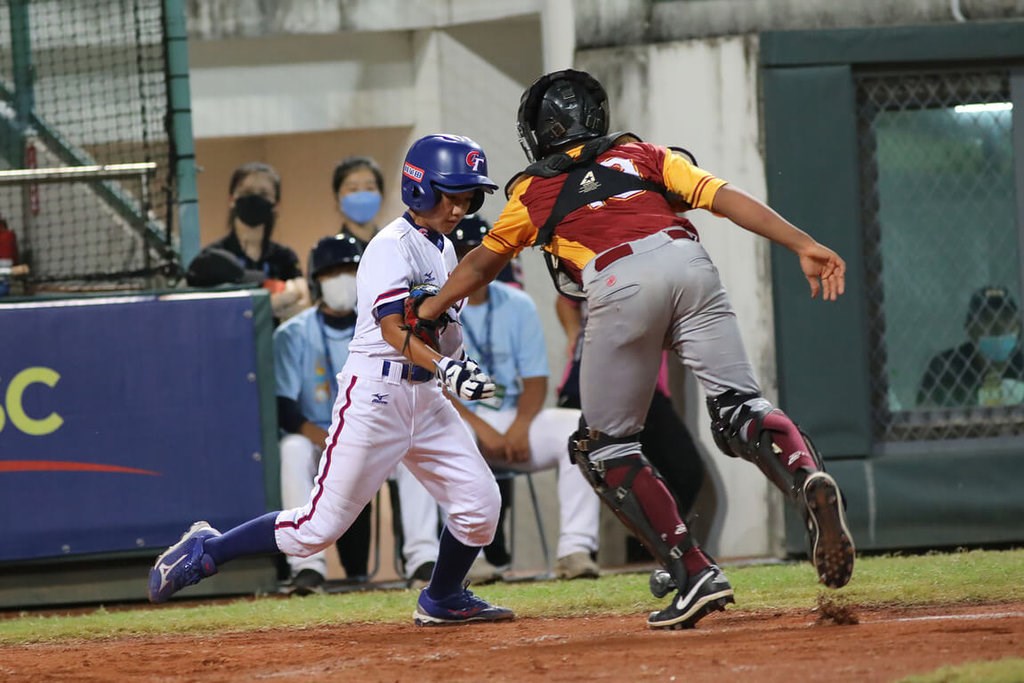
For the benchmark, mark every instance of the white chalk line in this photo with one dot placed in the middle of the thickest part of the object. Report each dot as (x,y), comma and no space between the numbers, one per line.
(953,617)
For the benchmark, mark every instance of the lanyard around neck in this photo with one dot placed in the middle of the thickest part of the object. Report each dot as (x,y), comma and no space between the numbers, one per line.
(486,350)
(327,353)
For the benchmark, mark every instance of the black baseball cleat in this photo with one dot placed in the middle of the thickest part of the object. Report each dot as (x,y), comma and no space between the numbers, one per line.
(707,592)
(832,550)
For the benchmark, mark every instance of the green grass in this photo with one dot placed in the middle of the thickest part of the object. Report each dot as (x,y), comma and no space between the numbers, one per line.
(966,577)
(1009,670)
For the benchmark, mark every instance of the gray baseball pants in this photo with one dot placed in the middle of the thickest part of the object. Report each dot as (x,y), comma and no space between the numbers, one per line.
(666,294)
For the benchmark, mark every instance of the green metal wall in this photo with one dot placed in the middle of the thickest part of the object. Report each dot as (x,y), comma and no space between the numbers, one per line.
(908,495)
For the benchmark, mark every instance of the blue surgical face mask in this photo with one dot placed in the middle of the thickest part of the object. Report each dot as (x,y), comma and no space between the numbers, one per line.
(361,207)
(998,348)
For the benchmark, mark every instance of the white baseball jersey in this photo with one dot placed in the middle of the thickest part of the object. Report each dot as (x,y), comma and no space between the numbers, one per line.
(413,258)
(382,417)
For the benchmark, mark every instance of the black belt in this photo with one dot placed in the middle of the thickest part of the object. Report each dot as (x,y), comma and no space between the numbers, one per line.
(411,373)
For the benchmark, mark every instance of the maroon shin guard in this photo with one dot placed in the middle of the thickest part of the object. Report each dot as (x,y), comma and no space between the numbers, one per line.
(661,511)
(793,451)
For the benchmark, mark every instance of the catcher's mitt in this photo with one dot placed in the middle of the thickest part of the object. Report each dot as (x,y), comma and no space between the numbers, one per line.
(427,331)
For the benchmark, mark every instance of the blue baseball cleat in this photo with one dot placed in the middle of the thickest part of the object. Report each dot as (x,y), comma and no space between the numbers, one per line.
(460,608)
(183,564)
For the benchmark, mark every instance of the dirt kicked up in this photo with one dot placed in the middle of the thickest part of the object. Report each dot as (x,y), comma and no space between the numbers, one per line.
(874,645)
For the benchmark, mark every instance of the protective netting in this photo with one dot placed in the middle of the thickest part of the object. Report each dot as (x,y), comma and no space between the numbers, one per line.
(81,83)
(941,249)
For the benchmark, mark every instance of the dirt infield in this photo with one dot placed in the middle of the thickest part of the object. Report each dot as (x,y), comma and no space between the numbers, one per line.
(782,647)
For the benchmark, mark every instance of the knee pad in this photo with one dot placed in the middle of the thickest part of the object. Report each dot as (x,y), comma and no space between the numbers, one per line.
(621,499)
(758,445)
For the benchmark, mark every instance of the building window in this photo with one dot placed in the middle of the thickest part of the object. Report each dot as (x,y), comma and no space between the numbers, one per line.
(943,272)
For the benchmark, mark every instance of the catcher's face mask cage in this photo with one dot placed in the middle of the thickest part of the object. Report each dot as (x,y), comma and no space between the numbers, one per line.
(561,107)
(444,163)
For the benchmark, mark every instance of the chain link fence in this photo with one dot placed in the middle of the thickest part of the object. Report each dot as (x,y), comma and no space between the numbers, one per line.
(84,83)
(937,175)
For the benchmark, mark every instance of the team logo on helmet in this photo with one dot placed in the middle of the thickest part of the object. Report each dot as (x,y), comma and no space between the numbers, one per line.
(414,172)
(474,159)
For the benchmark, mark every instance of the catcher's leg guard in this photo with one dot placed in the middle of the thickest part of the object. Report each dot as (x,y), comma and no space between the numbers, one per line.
(622,500)
(748,426)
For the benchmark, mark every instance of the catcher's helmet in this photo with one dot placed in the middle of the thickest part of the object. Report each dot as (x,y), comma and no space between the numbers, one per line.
(334,251)
(469,232)
(562,106)
(437,163)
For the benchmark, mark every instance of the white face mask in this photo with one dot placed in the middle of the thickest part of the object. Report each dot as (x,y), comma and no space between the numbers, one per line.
(339,292)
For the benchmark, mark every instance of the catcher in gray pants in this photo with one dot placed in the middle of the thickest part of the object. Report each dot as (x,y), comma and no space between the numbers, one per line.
(605,209)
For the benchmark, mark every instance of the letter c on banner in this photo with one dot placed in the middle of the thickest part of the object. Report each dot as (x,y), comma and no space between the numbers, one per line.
(15,390)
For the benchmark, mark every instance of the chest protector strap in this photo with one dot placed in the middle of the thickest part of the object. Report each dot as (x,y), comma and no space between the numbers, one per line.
(586,182)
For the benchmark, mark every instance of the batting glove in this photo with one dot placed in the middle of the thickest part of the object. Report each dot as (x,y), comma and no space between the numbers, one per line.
(465,379)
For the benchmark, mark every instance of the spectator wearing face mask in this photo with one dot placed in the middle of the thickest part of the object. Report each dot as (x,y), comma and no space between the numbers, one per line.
(253,195)
(987,369)
(358,186)
(309,350)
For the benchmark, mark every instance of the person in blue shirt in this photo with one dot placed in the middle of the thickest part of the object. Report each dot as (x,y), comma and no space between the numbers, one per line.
(309,350)
(502,330)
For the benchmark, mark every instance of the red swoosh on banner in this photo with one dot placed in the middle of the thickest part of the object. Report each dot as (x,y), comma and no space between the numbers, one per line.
(66,466)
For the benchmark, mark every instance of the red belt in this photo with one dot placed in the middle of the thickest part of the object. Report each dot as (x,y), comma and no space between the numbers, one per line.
(623,250)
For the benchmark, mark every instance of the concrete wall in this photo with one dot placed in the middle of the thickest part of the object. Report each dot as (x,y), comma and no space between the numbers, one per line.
(603,23)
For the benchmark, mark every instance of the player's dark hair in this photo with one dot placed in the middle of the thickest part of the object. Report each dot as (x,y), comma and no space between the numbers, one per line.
(988,304)
(354,163)
(246,170)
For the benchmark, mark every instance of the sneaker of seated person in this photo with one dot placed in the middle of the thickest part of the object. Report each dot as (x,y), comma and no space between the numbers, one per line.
(421,576)
(576,566)
(308,582)
(483,572)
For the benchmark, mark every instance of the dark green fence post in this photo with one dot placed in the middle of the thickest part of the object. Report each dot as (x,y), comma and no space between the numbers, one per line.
(179,103)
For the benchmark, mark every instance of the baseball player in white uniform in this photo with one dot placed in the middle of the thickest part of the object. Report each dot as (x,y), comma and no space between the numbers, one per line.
(389,410)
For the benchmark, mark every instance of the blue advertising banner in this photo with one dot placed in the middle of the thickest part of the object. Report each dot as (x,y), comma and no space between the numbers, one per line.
(123,420)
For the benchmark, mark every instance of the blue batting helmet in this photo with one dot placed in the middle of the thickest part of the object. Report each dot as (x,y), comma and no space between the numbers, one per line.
(450,163)
(336,250)
(469,232)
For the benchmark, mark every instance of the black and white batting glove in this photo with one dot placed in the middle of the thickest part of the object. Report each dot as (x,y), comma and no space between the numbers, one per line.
(465,379)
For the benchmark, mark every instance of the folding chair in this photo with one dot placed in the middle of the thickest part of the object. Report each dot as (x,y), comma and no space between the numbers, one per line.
(504,474)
